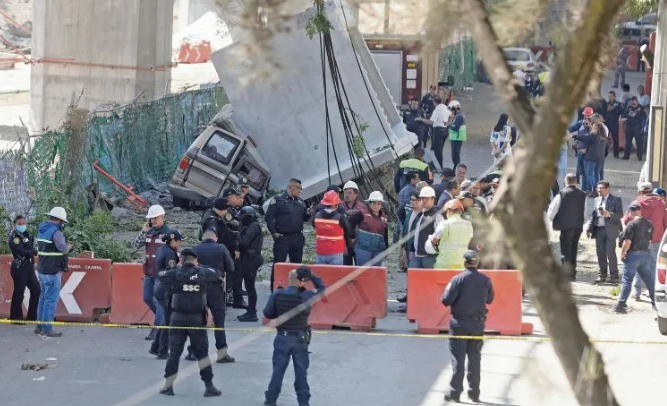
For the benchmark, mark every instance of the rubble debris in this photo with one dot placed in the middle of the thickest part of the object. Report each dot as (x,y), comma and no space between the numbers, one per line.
(37,366)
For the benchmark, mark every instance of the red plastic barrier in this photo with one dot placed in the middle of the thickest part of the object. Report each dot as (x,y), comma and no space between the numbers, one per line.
(426,287)
(357,304)
(127,304)
(86,288)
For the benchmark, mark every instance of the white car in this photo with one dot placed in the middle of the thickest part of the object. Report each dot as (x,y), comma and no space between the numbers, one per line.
(661,286)
(520,58)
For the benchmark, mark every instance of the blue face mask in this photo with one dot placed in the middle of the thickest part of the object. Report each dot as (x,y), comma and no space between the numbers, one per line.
(21,229)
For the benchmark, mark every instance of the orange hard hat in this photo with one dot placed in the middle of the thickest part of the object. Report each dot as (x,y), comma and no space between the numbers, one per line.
(331,198)
(454,204)
(588,111)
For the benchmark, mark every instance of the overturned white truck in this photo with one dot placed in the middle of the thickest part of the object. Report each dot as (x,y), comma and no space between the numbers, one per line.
(282,120)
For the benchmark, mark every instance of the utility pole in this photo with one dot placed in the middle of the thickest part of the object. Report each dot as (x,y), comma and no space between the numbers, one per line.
(656,162)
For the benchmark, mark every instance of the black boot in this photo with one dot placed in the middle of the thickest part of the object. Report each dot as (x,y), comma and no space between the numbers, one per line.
(248,316)
(224,357)
(151,335)
(240,304)
(168,388)
(211,390)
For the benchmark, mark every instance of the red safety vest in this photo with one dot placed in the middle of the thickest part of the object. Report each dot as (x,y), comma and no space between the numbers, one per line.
(329,235)
(153,244)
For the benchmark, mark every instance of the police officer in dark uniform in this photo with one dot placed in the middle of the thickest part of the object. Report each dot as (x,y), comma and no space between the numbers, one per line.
(222,219)
(293,333)
(284,219)
(188,306)
(22,271)
(235,200)
(165,258)
(217,258)
(468,293)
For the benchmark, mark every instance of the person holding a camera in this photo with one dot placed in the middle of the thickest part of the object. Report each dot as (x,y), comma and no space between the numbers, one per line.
(289,309)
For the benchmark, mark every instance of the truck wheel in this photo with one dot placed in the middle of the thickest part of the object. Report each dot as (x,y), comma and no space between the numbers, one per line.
(182,203)
(662,325)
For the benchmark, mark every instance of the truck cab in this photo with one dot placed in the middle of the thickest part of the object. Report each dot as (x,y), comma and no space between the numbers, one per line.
(221,157)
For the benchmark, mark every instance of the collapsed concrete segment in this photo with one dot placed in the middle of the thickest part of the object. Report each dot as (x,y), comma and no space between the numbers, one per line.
(286,114)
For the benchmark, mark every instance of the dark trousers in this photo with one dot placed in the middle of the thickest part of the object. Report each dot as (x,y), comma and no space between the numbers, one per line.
(460,349)
(440,135)
(237,282)
(614,138)
(348,257)
(288,245)
(638,136)
(284,348)
(606,252)
(215,298)
(161,342)
(569,242)
(199,342)
(24,276)
(456,152)
(249,268)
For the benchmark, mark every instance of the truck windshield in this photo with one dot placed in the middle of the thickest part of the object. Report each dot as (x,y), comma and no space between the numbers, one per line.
(221,147)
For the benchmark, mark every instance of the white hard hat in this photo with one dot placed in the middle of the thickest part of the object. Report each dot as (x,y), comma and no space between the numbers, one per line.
(59,213)
(427,191)
(351,185)
(155,211)
(376,197)
(454,103)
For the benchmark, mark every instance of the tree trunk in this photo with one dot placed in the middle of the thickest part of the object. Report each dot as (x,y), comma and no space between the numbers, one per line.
(528,178)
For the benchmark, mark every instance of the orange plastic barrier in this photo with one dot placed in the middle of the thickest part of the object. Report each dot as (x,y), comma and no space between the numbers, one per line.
(127,304)
(86,288)
(199,52)
(426,287)
(357,304)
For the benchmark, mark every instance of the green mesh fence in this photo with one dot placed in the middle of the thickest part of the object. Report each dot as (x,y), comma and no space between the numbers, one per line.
(460,61)
(141,145)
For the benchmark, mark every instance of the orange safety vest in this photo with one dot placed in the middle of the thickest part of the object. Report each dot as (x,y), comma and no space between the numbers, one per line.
(329,235)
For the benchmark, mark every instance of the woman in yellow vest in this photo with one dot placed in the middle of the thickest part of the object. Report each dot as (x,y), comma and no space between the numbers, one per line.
(451,238)
(457,132)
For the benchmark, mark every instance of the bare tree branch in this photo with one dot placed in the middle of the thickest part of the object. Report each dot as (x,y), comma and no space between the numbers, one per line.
(529,177)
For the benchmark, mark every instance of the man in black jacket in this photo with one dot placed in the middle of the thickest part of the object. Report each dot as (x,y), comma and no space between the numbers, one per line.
(216,257)
(605,226)
(250,242)
(634,128)
(569,221)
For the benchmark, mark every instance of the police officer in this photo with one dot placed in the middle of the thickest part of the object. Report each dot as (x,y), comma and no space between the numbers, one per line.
(219,260)
(235,200)
(221,219)
(284,219)
(22,271)
(165,258)
(468,293)
(188,306)
(250,241)
(291,319)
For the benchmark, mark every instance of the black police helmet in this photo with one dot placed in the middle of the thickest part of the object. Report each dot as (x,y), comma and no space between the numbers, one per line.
(247,214)
(303,273)
(471,259)
(220,203)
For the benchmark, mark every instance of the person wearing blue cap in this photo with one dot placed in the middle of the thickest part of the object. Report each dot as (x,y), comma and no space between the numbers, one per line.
(660,192)
(188,305)
(467,294)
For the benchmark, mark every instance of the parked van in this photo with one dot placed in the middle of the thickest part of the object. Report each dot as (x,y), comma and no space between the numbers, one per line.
(221,157)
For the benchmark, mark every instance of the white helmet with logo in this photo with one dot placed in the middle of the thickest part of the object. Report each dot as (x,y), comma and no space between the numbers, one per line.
(427,191)
(59,213)
(351,185)
(454,104)
(155,211)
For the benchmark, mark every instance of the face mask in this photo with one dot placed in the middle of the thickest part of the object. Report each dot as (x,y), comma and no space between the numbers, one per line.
(21,229)
(329,210)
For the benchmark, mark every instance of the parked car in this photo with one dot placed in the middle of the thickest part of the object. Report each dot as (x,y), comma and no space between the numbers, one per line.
(661,287)
(520,58)
(222,156)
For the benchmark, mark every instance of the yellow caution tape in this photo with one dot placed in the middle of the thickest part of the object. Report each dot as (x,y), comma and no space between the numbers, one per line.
(533,339)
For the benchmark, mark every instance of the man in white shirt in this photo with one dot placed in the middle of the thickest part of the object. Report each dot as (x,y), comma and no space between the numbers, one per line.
(439,121)
(643,98)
